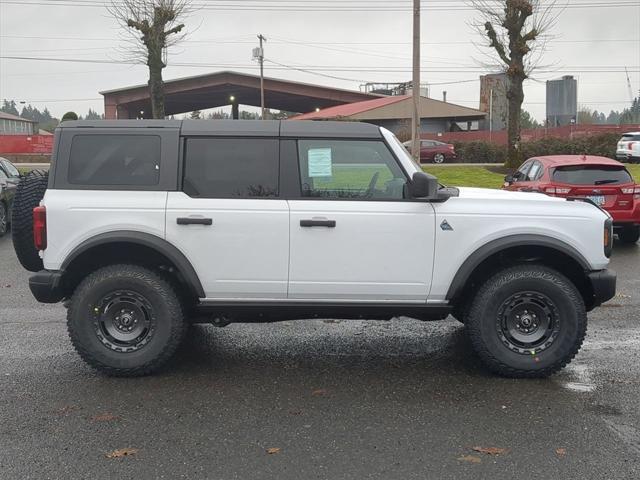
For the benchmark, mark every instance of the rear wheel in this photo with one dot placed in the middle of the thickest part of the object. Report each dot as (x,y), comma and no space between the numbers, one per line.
(629,234)
(527,321)
(438,158)
(125,320)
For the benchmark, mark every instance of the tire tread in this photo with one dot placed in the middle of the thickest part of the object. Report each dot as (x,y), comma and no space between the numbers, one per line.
(489,290)
(28,195)
(153,280)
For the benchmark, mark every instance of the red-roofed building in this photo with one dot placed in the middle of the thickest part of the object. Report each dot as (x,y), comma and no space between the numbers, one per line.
(394,113)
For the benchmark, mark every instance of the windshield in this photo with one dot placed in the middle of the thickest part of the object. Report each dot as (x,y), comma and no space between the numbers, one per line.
(400,151)
(592,175)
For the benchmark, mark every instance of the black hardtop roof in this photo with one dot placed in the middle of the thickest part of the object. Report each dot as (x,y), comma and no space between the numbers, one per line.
(265,128)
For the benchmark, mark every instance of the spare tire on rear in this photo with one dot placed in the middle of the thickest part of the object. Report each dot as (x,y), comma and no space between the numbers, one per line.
(28,195)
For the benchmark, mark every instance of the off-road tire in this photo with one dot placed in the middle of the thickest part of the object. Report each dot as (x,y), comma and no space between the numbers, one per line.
(483,321)
(28,195)
(629,234)
(4,219)
(461,311)
(83,320)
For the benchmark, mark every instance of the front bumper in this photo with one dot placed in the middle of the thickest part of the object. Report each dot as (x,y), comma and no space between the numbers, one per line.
(46,286)
(603,285)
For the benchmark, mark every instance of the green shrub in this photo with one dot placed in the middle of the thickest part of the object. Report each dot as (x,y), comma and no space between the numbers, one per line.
(484,152)
(480,152)
(69,116)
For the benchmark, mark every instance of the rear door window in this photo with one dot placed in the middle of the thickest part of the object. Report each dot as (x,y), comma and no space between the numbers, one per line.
(114,160)
(592,175)
(231,167)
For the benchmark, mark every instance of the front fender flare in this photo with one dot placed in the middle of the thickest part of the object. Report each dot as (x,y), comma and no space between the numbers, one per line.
(500,244)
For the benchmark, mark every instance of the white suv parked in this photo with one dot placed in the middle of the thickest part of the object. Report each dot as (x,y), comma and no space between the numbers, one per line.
(629,148)
(148,225)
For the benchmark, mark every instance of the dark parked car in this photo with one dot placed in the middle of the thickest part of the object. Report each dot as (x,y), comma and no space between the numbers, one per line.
(9,178)
(434,151)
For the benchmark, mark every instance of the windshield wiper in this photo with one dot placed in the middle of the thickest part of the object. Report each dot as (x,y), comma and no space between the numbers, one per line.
(605,182)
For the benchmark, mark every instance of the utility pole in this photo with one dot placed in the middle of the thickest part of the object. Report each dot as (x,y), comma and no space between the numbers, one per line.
(415,124)
(490,115)
(261,60)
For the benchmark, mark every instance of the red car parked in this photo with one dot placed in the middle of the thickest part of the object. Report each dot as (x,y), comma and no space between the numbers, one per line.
(606,182)
(434,151)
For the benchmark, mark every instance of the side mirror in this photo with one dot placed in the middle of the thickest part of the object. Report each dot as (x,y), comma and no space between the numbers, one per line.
(423,185)
(510,178)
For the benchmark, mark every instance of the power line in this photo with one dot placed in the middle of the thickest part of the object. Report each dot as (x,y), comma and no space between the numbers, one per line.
(336,68)
(341,7)
(346,43)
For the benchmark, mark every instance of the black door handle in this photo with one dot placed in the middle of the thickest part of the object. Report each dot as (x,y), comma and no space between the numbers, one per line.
(318,223)
(194,221)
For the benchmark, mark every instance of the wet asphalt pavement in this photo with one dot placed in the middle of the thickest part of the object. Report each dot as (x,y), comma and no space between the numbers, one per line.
(340,400)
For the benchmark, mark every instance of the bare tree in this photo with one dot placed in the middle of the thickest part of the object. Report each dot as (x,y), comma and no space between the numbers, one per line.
(516,30)
(151,26)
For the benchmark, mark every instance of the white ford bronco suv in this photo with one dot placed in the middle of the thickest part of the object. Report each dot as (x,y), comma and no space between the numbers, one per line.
(142,227)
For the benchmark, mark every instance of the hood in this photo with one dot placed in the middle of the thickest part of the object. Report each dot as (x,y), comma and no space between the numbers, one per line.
(493,194)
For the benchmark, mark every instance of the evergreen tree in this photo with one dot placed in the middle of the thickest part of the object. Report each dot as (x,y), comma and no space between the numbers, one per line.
(92,115)
(9,107)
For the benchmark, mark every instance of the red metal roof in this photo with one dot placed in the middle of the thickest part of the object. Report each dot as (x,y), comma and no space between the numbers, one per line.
(351,108)
(559,160)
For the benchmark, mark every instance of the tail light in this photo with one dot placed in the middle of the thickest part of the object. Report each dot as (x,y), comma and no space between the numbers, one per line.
(557,191)
(635,191)
(608,237)
(40,228)
(630,145)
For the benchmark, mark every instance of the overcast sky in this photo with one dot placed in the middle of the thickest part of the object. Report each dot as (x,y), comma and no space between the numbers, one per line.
(591,42)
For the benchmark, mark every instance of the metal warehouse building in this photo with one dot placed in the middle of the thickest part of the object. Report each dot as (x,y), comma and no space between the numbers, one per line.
(14,125)
(227,88)
(394,113)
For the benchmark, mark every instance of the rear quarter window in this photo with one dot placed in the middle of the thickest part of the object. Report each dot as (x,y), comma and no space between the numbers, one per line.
(630,138)
(114,160)
(592,175)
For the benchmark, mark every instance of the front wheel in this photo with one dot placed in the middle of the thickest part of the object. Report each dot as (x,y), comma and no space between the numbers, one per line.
(629,234)
(527,321)
(438,158)
(125,320)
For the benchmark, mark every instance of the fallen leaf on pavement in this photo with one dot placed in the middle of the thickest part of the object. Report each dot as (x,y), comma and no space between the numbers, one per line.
(490,450)
(469,459)
(105,417)
(272,451)
(561,452)
(122,452)
(321,392)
